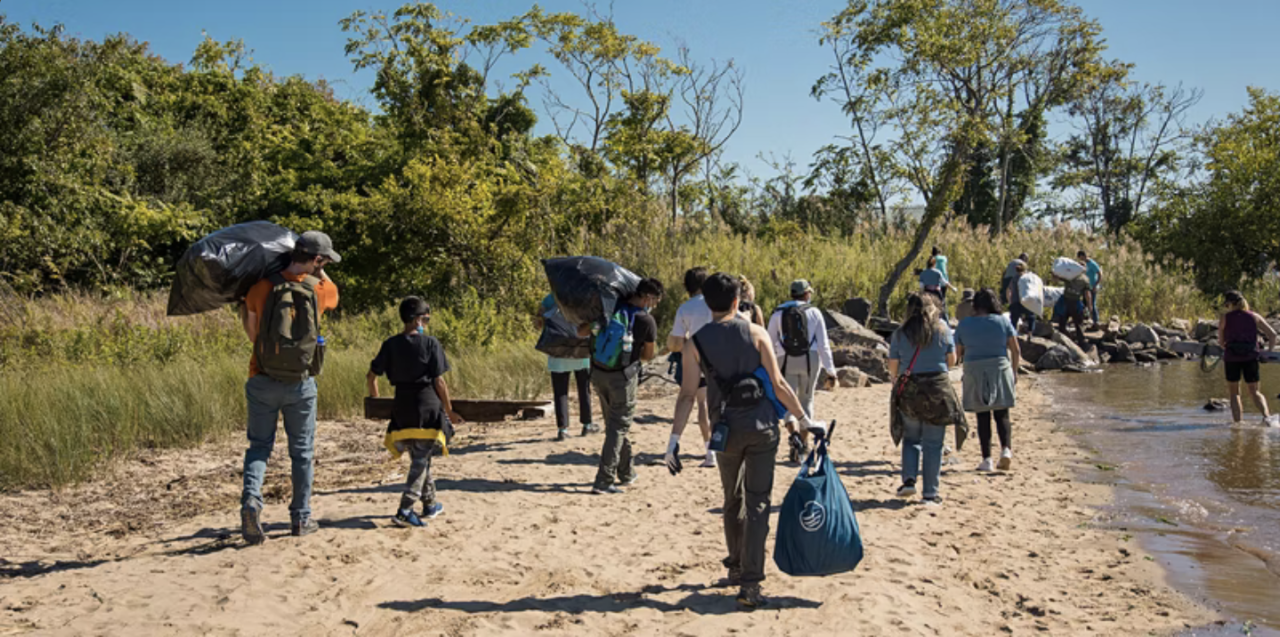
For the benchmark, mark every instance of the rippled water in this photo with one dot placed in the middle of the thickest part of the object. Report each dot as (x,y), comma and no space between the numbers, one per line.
(1200,493)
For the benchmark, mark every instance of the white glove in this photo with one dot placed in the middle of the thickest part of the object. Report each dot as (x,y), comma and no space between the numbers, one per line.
(672,458)
(815,427)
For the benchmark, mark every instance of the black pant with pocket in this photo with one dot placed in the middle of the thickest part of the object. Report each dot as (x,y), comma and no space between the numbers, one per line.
(746,475)
(560,389)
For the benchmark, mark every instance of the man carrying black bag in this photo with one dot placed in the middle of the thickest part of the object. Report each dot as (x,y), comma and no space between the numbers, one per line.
(738,361)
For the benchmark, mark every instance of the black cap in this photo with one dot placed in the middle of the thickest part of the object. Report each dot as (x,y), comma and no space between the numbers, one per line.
(413,307)
(317,243)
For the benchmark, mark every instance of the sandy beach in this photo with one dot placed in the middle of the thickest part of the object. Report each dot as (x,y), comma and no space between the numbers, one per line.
(152,547)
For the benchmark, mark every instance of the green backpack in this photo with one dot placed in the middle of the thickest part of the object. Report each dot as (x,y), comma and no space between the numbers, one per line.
(289,329)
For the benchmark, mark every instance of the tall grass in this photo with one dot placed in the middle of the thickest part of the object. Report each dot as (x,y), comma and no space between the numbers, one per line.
(86,379)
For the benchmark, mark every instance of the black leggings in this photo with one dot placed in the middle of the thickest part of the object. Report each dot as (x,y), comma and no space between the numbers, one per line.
(560,387)
(1003,429)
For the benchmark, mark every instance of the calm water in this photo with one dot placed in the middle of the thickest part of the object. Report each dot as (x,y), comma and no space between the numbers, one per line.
(1200,493)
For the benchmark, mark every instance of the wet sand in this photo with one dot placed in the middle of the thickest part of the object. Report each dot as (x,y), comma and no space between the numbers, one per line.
(522,548)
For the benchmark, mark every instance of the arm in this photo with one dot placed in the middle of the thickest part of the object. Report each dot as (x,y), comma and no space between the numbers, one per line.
(675,343)
(1015,354)
(1267,331)
(893,367)
(442,390)
(951,359)
(688,390)
(371,380)
(250,322)
(775,334)
(648,351)
(1222,331)
(959,355)
(825,358)
(781,389)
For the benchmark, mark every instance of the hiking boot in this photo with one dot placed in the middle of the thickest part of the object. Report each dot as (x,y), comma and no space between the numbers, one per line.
(629,482)
(750,596)
(1006,459)
(299,528)
(432,511)
(408,519)
(933,501)
(251,526)
(986,466)
(907,489)
(590,428)
(609,490)
(735,576)
(562,435)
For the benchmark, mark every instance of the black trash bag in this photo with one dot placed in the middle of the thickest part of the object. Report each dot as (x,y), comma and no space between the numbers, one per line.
(560,337)
(587,289)
(220,268)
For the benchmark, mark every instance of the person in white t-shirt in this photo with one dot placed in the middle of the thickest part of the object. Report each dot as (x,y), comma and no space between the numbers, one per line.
(801,371)
(690,318)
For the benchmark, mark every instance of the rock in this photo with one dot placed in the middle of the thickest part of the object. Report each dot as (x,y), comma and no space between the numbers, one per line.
(1165,354)
(1204,330)
(1033,348)
(1144,357)
(1056,358)
(845,330)
(1108,349)
(1078,355)
(873,361)
(1141,333)
(852,377)
(1043,329)
(882,326)
(1181,325)
(1123,354)
(858,309)
(1216,404)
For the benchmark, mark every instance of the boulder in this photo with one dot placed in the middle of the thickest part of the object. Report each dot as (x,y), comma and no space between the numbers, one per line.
(1168,333)
(858,309)
(1078,355)
(1144,357)
(873,361)
(882,326)
(845,330)
(1043,329)
(852,377)
(1033,348)
(1108,349)
(1204,330)
(1123,354)
(1142,333)
(1056,358)
(1181,325)
(1165,354)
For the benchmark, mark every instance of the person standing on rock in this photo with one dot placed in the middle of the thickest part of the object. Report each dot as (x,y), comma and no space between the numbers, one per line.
(799,334)
(1238,332)
(690,318)
(1013,296)
(561,369)
(1094,273)
(1010,278)
(988,348)
(616,384)
(934,281)
(731,352)
(282,320)
(923,402)
(1076,296)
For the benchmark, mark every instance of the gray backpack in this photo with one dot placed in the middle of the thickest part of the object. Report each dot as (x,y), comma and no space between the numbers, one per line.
(289,329)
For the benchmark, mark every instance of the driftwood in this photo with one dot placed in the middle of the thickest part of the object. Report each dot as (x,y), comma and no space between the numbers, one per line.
(471,410)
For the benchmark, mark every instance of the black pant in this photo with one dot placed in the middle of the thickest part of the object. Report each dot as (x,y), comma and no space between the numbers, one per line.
(560,387)
(746,475)
(1017,312)
(1003,429)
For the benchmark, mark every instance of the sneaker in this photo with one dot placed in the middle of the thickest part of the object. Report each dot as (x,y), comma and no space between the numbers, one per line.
(710,462)
(590,428)
(635,477)
(935,501)
(986,466)
(251,526)
(907,489)
(609,490)
(432,511)
(299,528)
(1006,459)
(1271,421)
(562,435)
(407,518)
(750,596)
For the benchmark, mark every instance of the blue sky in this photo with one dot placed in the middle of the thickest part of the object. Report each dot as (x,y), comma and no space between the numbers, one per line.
(1220,47)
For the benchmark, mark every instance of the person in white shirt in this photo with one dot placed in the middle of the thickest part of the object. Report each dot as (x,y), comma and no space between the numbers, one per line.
(692,315)
(800,368)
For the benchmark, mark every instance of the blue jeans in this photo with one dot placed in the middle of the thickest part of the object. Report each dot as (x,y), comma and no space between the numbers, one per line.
(918,436)
(1094,308)
(269,399)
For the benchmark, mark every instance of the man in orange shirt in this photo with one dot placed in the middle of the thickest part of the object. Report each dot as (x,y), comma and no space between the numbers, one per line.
(269,398)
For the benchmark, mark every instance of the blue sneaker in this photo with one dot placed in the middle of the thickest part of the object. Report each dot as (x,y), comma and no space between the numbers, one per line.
(407,518)
(432,510)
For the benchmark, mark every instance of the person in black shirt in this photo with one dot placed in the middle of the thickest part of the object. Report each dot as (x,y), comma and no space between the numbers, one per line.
(422,415)
(616,386)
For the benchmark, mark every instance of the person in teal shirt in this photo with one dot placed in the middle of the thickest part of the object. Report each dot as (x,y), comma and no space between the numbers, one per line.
(1094,273)
(941,264)
(561,369)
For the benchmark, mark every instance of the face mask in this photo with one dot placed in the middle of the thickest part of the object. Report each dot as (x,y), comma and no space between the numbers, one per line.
(421,330)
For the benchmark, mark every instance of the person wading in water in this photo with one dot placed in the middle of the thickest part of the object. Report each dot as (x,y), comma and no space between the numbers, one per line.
(1238,332)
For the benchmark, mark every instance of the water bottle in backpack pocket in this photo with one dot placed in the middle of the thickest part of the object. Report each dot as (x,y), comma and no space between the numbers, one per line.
(614,342)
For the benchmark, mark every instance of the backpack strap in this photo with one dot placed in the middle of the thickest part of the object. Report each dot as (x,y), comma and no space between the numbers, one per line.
(702,355)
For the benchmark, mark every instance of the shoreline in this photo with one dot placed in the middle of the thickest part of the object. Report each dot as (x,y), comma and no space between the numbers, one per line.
(523,547)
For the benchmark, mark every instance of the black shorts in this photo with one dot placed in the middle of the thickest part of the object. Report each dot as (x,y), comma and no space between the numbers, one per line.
(1248,369)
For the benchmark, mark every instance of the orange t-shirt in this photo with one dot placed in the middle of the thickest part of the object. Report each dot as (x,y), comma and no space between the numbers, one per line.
(326,295)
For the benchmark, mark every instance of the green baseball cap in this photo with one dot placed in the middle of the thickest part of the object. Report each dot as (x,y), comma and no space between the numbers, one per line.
(800,287)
